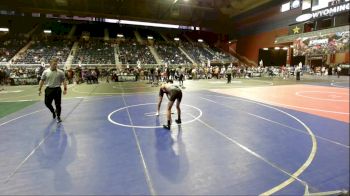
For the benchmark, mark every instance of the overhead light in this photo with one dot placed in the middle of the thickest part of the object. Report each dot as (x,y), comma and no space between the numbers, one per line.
(285,7)
(295,4)
(176,39)
(120,35)
(149,37)
(277,48)
(265,49)
(285,48)
(200,40)
(303,17)
(291,46)
(47,31)
(111,20)
(150,24)
(4,29)
(306,5)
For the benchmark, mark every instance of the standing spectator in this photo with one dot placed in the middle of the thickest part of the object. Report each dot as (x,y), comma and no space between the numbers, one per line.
(338,70)
(53,78)
(323,70)
(78,74)
(97,74)
(167,71)
(181,76)
(2,79)
(39,71)
(229,74)
(152,75)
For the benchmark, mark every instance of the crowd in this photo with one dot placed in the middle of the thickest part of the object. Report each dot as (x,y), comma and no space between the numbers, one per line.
(9,46)
(198,52)
(94,51)
(130,52)
(43,49)
(170,53)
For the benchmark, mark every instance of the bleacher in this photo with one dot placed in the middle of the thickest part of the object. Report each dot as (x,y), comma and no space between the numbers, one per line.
(130,52)
(95,51)
(9,46)
(44,48)
(170,53)
(198,52)
(222,56)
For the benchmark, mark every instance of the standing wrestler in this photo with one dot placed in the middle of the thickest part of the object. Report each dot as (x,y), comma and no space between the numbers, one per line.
(53,78)
(181,76)
(173,93)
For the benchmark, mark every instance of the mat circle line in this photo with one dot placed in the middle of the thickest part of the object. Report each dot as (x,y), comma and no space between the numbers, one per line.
(294,176)
(104,93)
(335,84)
(299,93)
(149,127)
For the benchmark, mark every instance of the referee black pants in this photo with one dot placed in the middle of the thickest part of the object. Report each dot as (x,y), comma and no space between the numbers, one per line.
(53,94)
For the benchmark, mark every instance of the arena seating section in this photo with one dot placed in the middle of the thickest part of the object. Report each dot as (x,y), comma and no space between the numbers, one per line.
(9,46)
(170,53)
(98,44)
(131,51)
(94,51)
(44,48)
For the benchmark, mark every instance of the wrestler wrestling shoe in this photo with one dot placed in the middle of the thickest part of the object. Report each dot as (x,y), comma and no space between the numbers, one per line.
(178,121)
(166,127)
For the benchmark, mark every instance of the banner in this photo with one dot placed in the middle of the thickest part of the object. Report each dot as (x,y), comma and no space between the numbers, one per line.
(321,45)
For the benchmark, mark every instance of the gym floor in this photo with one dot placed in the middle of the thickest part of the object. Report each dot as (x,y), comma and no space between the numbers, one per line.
(253,136)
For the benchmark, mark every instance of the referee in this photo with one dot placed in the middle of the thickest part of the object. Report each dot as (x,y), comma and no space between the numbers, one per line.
(53,78)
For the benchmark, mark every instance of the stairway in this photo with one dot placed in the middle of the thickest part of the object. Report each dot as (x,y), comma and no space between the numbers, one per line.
(118,64)
(188,39)
(184,52)
(73,51)
(106,35)
(31,32)
(71,32)
(138,37)
(164,37)
(22,50)
(243,59)
(155,54)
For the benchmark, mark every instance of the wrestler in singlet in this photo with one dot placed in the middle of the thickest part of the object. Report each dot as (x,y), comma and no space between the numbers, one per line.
(173,92)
